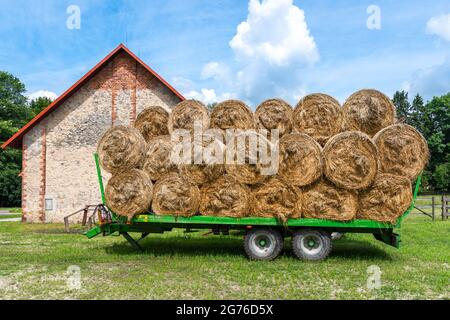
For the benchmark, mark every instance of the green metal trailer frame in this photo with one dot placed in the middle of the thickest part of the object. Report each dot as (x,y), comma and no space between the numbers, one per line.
(150,223)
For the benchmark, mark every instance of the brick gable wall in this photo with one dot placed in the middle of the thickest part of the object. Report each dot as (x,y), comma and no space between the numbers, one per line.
(58,153)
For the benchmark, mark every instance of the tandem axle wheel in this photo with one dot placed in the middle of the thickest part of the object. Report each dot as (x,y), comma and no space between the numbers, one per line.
(307,244)
(263,244)
(311,244)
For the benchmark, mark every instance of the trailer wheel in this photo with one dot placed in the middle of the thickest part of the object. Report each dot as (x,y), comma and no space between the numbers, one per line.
(263,244)
(311,245)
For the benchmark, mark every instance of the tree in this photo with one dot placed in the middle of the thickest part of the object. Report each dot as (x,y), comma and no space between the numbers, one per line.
(211,106)
(15,111)
(418,116)
(441,176)
(402,105)
(437,118)
(39,104)
(10,160)
(433,121)
(13,102)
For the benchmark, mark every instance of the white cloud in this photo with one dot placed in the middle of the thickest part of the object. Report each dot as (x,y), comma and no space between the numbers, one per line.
(204,95)
(207,96)
(275,32)
(43,93)
(182,84)
(273,49)
(215,70)
(433,81)
(440,26)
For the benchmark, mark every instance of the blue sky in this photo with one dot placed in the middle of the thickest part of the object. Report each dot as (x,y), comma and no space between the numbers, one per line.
(288,48)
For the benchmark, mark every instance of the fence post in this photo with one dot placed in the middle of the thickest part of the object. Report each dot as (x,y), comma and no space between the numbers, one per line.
(432,207)
(446,207)
(443,206)
(85,213)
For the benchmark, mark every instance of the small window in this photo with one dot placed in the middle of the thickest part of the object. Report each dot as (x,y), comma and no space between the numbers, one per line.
(48,204)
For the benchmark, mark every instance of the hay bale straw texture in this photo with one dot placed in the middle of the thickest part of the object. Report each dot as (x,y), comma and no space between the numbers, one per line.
(300,159)
(248,169)
(388,198)
(121,148)
(206,165)
(200,174)
(186,113)
(402,150)
(323,200)
(245,173)
(274,114)
(152,122)
(275,198)
(129,192)
(351,160)
(368,111)
(318,115)
(225,197)
(157,160)
(175,195)
(232,114)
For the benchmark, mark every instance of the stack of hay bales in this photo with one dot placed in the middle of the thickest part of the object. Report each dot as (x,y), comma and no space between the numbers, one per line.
(334,162)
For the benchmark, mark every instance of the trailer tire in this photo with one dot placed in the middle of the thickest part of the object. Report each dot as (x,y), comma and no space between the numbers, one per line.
(263,244)
(311,244)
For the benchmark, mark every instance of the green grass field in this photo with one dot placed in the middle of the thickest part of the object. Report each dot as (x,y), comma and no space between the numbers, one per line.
(12,210)
(10,213)
(10,216)
(34,261)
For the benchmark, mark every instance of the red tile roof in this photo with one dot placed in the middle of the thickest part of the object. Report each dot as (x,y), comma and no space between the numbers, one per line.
(16,140)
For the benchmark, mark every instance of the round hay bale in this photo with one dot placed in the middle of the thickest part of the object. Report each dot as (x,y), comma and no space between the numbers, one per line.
(275,198)
(368,111)
(121,148)
(206,165)
(232,114)
(225,197)
(402,150)
(200,174)
(157,160)
(323,200)
(152,122)
(274,114)
(245,173)
(318,115)
(246,166)
(301,159)
(174,195)
(350,160)
(129,193)
(388,198)
(186,113)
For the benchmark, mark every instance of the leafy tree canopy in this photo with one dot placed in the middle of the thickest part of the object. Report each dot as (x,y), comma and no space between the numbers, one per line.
(432,119)
(15,111)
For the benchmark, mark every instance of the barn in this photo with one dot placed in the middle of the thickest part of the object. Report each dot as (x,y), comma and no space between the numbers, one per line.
(58,170)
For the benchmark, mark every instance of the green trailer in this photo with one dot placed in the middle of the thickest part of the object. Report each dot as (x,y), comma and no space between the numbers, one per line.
(264,237)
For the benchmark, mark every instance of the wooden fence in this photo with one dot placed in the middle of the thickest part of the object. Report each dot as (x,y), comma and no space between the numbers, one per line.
(437,204)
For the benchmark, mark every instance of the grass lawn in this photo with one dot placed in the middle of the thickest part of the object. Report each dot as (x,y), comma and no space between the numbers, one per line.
(12,210)
(10,216)
(34,261)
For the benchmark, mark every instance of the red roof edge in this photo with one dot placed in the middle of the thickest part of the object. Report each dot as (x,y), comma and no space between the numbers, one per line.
(16,140)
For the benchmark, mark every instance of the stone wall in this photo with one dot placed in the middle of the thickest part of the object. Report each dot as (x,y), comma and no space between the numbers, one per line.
(58,163)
